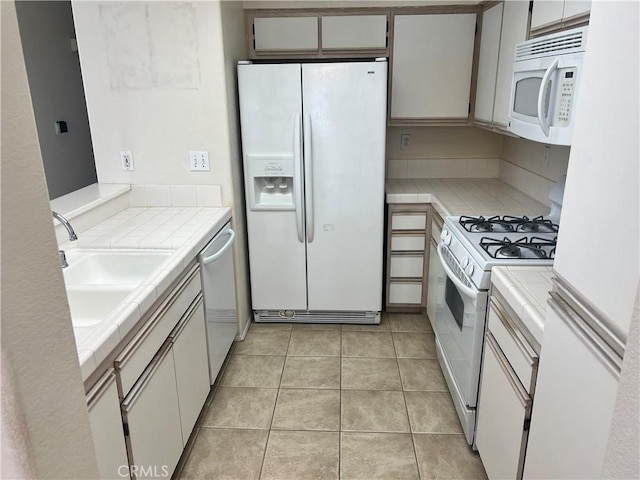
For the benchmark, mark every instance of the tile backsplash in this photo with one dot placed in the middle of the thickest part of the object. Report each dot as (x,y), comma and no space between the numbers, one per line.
(175,196)
(444,168)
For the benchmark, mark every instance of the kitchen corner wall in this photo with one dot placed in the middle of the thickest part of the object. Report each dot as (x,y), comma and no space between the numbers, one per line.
(443,152)
(524,166)
(159,81)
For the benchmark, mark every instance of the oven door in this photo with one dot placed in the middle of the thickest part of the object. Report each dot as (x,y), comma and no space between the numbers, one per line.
(459,328)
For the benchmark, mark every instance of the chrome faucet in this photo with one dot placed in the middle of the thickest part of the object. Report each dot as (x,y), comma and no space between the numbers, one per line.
(66,224)
(72,237)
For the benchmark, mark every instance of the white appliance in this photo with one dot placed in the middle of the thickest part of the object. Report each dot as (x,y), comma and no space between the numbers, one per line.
(469,247)
(313,140)
(218,287)
(546,77)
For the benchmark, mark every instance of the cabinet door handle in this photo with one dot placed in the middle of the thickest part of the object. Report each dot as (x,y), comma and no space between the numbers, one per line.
(175,333)
(145,378)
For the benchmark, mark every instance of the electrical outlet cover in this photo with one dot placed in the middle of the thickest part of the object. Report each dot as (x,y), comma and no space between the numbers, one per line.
(126,161)
(198,161)
(405,141)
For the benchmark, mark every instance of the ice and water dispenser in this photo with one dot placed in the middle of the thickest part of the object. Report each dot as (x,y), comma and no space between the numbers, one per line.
(271,179)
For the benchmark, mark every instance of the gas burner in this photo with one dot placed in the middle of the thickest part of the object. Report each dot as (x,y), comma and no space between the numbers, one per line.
(531,248)
(533,225)
(483,225)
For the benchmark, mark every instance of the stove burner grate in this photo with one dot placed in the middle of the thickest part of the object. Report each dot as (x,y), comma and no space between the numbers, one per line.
(507,223)
(522,248)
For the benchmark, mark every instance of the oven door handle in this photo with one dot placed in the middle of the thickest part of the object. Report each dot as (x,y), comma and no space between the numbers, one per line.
(469,292)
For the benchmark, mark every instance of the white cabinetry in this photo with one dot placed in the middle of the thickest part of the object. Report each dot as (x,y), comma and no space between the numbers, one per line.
(407,250)
(192,367)
(348,32)
(432,64)
(573,408)
(550,14)
(106,428)
(285,34)
(152,415)
(503,27)
(436,274)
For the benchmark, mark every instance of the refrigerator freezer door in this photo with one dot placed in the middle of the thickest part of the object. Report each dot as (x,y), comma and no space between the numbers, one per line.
(270,105)
(345,128)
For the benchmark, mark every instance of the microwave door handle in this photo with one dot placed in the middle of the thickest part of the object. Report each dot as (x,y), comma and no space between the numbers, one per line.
(469,292)
(542,120)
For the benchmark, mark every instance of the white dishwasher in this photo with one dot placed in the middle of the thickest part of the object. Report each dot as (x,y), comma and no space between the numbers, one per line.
(218,287)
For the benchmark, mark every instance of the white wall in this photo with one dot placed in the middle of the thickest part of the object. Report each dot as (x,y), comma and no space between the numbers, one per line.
(155,85)
(524,166)
(443,152)
(45,424)
(56,89)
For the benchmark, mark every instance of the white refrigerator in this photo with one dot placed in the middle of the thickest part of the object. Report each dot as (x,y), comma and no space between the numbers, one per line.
(313,141)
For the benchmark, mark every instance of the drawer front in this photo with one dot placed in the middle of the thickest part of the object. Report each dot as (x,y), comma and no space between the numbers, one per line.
(134,359)
(409,221)
(407,243)
(520,356)
(407,266)
(409,293)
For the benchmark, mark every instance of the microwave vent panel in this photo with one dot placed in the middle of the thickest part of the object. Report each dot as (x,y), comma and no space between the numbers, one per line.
(570,41)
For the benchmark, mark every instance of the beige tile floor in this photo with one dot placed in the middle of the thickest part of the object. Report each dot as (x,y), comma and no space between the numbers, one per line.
(330,401)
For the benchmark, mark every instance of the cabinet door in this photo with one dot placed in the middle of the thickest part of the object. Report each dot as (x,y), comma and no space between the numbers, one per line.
(488,63)
(574,402)
(192,367)
(575,8)
(153,417)
(286,33)
(503,406)
(106,428)
(351,32)
(514,30)
(432,60)
(546,12)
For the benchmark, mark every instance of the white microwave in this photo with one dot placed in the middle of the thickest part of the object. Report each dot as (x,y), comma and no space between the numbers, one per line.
(544,92)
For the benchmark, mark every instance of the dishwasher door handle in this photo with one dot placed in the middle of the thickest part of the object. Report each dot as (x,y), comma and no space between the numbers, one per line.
(219,253)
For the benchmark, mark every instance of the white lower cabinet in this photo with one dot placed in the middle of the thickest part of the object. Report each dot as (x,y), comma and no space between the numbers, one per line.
(152,417)
(503,408)
(106,428)
(191,367)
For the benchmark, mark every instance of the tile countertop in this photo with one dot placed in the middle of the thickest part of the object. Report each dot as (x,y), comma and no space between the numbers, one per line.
(464,196)
(526,290)
(186,230)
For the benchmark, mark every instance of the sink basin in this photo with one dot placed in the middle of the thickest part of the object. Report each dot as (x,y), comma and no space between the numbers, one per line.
(111,266)
(89,306)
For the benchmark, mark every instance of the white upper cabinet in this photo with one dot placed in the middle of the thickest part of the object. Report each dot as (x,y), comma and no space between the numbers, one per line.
(503,27)
(432,63)
(285,33)
(515,18)
(347,32)
(488,65)
(549,12)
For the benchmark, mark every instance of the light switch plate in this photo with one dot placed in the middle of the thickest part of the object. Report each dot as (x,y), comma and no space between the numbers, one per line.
(199,161)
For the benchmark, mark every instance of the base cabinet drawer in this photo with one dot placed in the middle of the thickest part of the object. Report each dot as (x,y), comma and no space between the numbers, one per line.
(407,266)
(405,293)
(409,221)
(406,243)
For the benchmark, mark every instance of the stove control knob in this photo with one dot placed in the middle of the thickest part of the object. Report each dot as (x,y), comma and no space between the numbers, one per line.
(469,269)
(447,240)
(444,234)
(464,262)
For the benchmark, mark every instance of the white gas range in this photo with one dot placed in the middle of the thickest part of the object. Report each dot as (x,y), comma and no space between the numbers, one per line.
(469,247)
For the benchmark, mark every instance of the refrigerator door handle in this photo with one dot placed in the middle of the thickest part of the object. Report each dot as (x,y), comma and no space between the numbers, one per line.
(308,178)
(297,173)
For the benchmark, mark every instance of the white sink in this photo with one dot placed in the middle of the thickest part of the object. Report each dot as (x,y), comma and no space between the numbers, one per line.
(89,306)
(111,266)
(98,280)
